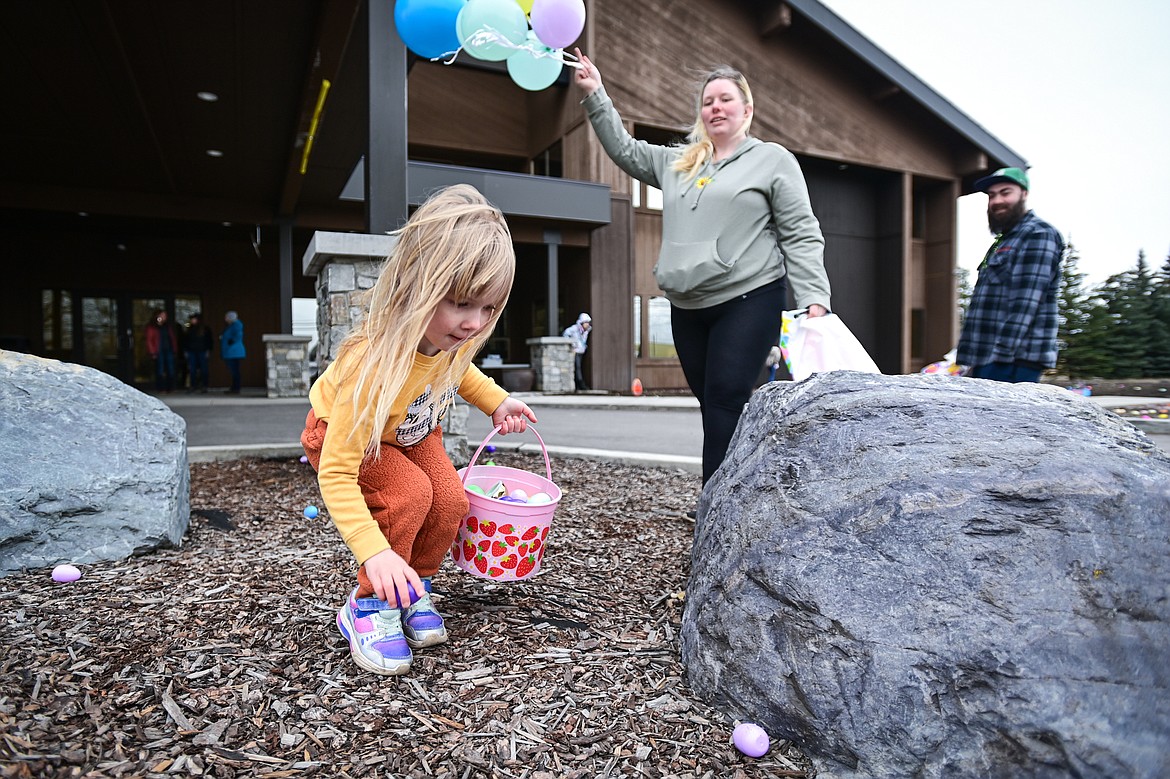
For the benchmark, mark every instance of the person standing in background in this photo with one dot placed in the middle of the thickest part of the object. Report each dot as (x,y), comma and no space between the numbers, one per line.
(162,345)
(737,229)
(231,348)
(198,341)
(1009,333)
(578,333)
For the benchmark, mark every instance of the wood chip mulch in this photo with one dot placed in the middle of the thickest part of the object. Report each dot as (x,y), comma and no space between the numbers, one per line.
(222,659)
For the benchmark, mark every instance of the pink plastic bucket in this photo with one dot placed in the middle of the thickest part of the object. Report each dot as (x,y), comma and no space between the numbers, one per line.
(501,540)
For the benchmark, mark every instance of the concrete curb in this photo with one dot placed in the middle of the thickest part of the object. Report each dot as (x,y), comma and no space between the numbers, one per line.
(210,454)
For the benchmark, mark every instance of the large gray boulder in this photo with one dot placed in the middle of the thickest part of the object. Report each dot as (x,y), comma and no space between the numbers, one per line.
(938,577)
(90,468)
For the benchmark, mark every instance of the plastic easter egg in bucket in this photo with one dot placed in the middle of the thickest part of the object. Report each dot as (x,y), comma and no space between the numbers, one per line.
(505,532)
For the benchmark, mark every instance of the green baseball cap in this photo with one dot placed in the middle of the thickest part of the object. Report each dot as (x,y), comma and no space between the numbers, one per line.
(1001,176)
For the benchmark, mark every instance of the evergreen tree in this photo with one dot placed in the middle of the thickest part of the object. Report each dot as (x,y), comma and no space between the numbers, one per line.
(963,279)
(1072,312)
(1130,304)
(1090,353)
(1159,354)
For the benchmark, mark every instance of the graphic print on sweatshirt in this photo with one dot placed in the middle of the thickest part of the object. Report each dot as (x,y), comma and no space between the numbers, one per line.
(417,424)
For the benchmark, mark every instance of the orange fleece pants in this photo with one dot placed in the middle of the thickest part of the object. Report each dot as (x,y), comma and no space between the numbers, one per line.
(413,493)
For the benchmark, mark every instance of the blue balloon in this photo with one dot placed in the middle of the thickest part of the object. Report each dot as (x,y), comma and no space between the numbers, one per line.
(427,27)
(532,71)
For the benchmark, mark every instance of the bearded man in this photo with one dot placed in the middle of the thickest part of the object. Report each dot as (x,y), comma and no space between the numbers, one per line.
(1009,333)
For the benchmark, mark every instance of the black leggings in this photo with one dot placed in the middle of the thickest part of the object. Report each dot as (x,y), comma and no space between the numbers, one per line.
(722,350)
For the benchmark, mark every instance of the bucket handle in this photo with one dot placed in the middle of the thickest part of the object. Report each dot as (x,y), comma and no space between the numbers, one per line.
(498,428)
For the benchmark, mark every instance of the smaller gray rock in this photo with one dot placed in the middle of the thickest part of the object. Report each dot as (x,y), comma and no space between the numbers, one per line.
(90,468)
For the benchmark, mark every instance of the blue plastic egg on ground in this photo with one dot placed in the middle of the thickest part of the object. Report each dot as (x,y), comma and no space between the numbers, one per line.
(311,512)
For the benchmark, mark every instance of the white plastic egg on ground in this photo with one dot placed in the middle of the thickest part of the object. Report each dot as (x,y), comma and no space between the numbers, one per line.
(66,573)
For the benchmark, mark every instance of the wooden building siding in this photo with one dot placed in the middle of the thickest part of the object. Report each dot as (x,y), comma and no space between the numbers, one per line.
(608,361)
(466,109)
(938,282)
(807,96)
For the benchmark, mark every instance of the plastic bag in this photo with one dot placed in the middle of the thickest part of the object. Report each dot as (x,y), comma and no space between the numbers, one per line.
(823,343)
(788,326)
(946,366)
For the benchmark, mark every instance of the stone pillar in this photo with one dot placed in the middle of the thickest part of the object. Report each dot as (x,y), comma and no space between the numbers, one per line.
(346,265)
(551,358)
(455,441)
(288,365)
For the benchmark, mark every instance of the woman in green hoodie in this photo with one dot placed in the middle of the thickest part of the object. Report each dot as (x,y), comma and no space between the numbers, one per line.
(736,226)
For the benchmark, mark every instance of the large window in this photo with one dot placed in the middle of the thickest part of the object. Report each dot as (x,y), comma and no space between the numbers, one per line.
(57,320)
(645,194)
(660,338)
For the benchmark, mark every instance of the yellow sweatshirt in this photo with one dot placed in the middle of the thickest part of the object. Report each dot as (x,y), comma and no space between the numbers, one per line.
(409,423)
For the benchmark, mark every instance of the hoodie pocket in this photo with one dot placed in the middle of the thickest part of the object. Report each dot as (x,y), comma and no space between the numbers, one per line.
(685,267)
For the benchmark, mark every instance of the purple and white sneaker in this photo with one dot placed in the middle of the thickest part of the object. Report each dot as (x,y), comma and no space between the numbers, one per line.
(373,629)
(421,623)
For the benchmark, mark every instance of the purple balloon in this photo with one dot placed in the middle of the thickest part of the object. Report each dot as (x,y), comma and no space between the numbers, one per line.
(557,23)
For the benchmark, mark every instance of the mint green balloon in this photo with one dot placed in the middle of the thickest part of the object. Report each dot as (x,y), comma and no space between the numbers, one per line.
(503,20)
(533,72)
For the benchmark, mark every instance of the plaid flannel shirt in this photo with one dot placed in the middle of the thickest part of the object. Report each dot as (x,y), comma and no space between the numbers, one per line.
(1012,316)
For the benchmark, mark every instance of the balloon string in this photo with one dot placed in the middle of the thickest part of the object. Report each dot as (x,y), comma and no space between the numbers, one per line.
(487,34)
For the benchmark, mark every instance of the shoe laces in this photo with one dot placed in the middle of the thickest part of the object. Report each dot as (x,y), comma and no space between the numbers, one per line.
(389,622)
(423,604)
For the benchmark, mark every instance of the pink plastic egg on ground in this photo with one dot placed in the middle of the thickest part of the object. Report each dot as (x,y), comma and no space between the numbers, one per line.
(66,573)
(750,739)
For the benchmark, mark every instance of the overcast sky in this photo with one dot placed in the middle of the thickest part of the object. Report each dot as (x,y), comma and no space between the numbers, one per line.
(1079,89)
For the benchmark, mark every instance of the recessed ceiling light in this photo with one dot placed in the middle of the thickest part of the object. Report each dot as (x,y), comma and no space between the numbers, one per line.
(209,97)
(214,153)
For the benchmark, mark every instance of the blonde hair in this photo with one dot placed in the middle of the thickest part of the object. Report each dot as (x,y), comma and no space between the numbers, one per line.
(456,243)
(699,148)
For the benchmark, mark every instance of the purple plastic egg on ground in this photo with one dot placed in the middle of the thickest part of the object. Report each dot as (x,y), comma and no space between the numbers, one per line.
(750,739)
(311,512)
(304,458)
(490,449)
(66,573)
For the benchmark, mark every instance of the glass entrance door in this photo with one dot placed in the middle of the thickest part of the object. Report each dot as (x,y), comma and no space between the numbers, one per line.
(107,331)
(100,338)
(141,311)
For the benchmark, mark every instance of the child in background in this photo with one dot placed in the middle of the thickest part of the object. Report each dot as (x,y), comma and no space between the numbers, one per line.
(373,432)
